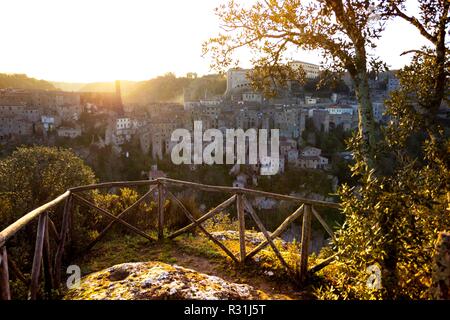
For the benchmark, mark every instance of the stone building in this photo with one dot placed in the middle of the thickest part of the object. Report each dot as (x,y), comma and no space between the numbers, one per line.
(68,132)
(321,120)
(312,70)
(310,158)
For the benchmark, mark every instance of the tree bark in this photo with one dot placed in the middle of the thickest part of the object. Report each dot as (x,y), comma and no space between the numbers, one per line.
(366,123)
(440,283)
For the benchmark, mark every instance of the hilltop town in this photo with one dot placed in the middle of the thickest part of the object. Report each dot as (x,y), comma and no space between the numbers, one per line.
(102,119)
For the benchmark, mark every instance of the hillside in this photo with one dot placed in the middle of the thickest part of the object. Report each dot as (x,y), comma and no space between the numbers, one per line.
(166,88)
(125,86)
(22,81)
(68,86)
(169,88)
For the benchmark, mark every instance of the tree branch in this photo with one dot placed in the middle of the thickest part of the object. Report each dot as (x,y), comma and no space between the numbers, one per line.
(415,23)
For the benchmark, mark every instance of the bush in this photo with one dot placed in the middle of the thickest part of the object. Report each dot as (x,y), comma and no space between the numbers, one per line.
(88,223)
(30,177)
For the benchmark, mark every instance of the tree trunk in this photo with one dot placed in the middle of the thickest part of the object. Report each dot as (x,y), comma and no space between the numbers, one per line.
(389,278)
(440,85)
(366,124)
(440,284)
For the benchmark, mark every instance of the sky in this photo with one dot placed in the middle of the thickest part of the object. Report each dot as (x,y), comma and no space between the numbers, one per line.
(104,40)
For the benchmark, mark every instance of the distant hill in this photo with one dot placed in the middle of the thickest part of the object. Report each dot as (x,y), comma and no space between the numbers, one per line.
(22,81)
(206,86)
(126,87)
(169,88)
(68,86)
(97,87)
(166,88)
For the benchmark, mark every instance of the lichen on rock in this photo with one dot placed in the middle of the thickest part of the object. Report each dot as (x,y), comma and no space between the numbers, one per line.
(156,280)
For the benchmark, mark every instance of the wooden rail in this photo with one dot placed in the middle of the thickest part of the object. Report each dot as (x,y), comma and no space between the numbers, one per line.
(12,229)
(50,261)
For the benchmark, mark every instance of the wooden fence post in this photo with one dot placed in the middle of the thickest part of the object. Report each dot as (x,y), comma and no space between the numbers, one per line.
(5,293)
(37,259)
(62,241)
(241,218)
(161,201)
(306,233)
(47,259)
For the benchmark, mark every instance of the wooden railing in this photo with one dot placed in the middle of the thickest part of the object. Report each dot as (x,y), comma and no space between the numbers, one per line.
(51,260)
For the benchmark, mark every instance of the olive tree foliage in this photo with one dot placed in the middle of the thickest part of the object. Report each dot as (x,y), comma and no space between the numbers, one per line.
(30,177)
(433,25)
(393,221)
(344,31)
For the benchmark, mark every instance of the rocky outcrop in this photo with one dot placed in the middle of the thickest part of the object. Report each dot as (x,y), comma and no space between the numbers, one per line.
(156,280)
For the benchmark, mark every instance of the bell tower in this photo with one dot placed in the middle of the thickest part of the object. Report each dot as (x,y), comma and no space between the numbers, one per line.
(119,104)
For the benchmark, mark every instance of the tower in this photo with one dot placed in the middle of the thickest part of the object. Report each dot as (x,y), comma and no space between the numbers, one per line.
(119,104)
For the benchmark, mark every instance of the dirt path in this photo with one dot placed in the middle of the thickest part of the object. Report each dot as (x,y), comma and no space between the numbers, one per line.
(280,290)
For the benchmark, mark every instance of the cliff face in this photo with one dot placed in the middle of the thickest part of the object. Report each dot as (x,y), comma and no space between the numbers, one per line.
(156,280)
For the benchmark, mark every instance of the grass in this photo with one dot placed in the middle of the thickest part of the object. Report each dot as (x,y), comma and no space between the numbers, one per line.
(134,248)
